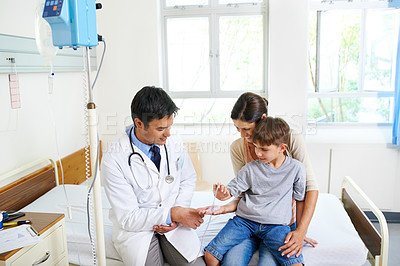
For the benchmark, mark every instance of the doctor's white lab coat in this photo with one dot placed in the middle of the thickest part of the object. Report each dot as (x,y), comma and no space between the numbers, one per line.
(134,210)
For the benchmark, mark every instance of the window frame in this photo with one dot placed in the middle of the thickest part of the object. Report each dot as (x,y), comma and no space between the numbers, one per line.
(213,11)
(324,5)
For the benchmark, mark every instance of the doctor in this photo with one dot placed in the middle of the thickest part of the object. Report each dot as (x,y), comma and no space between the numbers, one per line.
(149,180)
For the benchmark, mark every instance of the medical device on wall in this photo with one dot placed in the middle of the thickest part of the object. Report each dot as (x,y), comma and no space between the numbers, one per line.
(73,22)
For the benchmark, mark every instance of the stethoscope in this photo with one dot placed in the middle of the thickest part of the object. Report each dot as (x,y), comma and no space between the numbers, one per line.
(169,178)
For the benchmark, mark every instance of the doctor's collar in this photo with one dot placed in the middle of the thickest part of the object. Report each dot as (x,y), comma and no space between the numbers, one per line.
(143,147)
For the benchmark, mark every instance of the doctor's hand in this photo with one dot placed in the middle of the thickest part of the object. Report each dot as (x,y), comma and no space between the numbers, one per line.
(188,217)
(162,229)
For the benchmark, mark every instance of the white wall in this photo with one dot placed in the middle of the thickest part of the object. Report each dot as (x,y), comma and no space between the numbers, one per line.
(131,31)
(288,72)
(362,153)
(27,134)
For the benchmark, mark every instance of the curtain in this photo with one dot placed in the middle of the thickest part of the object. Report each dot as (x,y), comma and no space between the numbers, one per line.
(396,124)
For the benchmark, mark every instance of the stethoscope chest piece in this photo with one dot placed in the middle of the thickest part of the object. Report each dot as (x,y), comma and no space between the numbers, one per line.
(169,179)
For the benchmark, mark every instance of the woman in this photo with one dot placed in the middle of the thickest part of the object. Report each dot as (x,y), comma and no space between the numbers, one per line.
(247,111)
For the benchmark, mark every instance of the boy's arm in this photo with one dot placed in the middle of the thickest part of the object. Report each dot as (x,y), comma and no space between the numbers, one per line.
(240,183)
(237,185)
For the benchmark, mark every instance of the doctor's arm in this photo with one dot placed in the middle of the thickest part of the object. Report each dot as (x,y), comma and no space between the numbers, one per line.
(181,213)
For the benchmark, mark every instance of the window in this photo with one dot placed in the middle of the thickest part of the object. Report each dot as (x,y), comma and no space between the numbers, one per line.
(352,61)
(213,51)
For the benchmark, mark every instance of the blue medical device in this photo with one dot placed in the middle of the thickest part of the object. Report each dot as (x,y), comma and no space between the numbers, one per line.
(73,22)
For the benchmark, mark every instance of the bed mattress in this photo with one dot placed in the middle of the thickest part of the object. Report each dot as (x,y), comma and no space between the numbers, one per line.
(339,243)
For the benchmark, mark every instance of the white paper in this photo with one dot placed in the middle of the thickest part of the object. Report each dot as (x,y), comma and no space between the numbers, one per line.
(17,237)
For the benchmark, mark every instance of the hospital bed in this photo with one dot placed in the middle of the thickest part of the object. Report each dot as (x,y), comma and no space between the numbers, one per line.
(345,234)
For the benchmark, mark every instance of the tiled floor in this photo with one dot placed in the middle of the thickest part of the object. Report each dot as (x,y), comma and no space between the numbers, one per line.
(394,245)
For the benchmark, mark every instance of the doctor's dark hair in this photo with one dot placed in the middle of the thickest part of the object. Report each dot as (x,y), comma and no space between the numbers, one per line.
(271,131)
(249,107)
(152,103)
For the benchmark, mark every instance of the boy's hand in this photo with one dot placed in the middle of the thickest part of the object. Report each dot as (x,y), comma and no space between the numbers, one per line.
(221,192)
(209,210)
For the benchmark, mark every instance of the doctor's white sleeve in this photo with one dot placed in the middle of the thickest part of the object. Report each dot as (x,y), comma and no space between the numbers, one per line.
(187,182)
(124,203)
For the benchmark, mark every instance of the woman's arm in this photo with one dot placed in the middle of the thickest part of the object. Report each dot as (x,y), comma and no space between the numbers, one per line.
(294,240)
(304,212)
(297,150)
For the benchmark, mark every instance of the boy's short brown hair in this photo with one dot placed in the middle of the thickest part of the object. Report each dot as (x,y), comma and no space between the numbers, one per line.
(271,131)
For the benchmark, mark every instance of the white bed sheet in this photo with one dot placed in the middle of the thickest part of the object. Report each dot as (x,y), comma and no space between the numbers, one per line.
(339,243)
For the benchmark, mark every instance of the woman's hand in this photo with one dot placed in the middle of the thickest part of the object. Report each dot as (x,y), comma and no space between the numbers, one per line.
(293,244)
(310,241)
(162,229)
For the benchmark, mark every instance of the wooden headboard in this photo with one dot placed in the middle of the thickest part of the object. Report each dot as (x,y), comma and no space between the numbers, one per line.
(25,190)
(74,167)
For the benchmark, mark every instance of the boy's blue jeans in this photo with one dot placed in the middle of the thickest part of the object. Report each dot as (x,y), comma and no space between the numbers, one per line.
(238,229)
(242,253)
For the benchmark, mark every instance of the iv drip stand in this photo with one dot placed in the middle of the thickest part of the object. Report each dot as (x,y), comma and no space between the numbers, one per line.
(92,120)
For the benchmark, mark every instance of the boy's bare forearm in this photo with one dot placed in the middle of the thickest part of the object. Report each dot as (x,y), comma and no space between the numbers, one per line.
(231,206)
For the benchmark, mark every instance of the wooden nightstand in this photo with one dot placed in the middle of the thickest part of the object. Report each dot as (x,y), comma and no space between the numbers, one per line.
(51,250)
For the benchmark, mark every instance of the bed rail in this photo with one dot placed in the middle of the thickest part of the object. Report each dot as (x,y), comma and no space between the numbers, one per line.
(377,243)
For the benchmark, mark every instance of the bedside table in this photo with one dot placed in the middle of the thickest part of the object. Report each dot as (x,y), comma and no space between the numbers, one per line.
(52,248)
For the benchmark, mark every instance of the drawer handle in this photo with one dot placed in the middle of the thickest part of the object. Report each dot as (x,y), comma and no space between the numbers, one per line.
(46,257)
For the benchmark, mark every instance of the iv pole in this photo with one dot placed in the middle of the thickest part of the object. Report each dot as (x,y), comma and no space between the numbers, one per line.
(92,120)
(73,24)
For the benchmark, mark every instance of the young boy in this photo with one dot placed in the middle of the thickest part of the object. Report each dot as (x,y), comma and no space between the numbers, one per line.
(268,184)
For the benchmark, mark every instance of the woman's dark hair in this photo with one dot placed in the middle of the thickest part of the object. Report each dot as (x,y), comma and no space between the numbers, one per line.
(152,103)
(249,107)
(271,131)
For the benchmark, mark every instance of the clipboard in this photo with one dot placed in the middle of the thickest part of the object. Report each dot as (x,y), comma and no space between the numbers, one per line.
(18,237)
